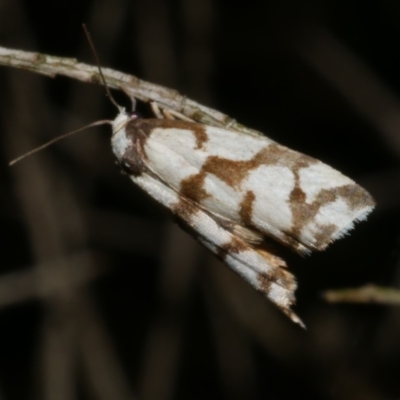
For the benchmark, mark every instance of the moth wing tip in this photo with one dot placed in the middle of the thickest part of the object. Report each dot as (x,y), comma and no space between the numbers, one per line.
(295,318)
(359,218)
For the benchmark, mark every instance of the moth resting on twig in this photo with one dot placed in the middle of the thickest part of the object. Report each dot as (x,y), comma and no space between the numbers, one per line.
(231,190)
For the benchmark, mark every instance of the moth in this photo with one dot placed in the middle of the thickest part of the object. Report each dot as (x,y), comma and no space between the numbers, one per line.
(233,191)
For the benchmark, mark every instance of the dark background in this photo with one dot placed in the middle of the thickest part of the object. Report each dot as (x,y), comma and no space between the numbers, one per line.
(102,296)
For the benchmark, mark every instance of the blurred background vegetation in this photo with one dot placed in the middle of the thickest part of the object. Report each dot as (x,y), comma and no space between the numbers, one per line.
(102,296)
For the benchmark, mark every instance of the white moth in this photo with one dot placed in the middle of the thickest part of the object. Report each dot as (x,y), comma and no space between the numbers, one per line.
(232,190)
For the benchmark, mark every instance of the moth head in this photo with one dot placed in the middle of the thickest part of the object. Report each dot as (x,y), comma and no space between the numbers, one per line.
(119,141)
(122,120)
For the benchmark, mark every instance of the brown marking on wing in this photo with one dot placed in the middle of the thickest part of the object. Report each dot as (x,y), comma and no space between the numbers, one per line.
(233,172)
(282,278)
(229,171)
(235,246)
(193,187)
(279,274)
(265,284)
(287,301)
(355,196)
(303,213)
(184,209)
(201,135)
(147,126)
(246,208)
(324,235)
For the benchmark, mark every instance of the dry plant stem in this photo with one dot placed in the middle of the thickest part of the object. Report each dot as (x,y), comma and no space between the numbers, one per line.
(131,85)
(364,294)
(102,367)
(74,270)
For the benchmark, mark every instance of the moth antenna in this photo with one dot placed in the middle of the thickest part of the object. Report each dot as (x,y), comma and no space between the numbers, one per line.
(50,142)
(97,58)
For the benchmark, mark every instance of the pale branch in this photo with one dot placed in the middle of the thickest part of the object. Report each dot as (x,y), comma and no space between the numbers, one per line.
(132,86)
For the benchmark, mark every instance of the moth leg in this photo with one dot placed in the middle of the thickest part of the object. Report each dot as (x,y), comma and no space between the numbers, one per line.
(156,110)
(168,113)
(133,104)
(179,114)
(161,113)
(172,114)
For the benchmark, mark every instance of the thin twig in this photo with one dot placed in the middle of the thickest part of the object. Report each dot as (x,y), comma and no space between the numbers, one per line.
(132,86)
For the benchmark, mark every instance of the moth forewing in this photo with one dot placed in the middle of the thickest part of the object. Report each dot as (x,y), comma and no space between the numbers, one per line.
(253,181)
(233,189)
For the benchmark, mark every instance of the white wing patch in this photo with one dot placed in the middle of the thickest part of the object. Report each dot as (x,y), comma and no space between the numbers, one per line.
(230,190)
